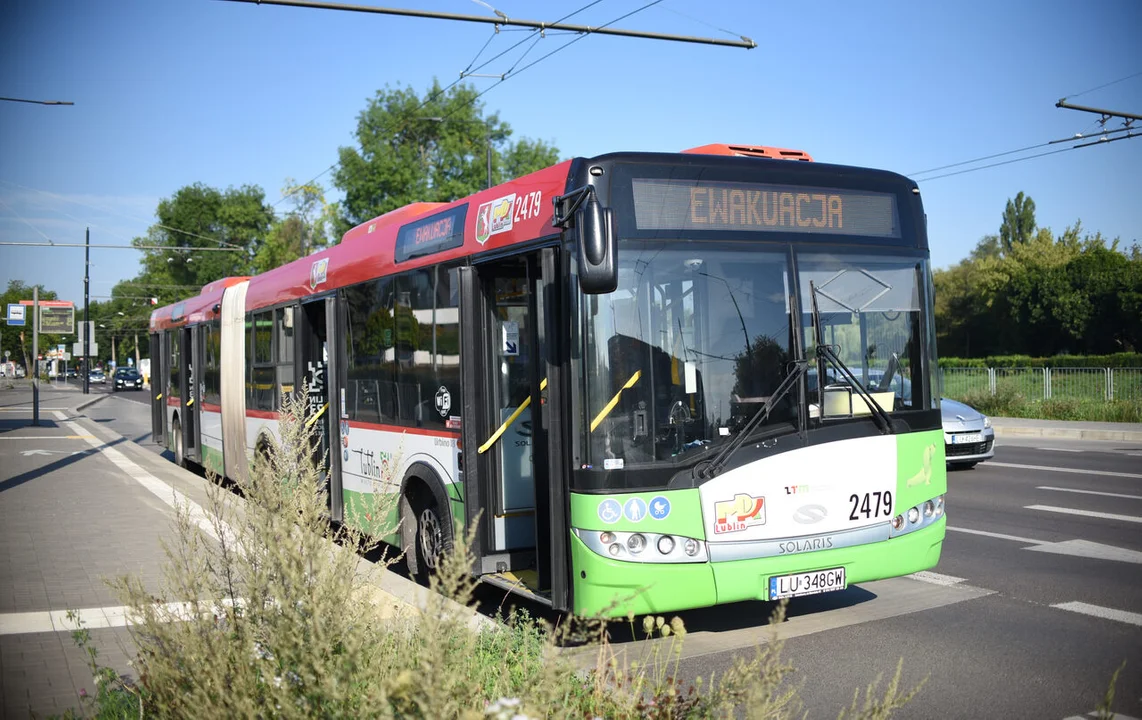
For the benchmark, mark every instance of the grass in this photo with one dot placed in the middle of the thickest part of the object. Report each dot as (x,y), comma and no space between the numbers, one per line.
(1009,403)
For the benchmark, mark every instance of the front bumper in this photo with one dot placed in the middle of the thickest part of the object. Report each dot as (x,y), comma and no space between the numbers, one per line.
(970,452)
(612,588)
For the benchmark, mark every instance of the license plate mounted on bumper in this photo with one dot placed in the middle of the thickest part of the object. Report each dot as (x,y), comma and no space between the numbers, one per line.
(806,583)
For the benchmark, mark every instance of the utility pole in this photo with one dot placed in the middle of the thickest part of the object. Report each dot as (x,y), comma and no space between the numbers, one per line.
(36,355)
(86,307)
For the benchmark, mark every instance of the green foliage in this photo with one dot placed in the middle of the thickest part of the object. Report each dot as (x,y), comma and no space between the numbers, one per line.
(433,149)
(304,230)
(1018,222)
(1008,402)
(1028,291)
(1117,360)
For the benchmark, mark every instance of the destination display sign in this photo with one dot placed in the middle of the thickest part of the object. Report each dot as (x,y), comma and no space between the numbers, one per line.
(433,234)
(664,204)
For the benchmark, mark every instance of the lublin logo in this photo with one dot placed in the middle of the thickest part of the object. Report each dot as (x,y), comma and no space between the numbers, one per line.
(735,515)
(495,217)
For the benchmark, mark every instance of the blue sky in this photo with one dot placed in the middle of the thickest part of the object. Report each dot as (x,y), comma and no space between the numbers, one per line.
(181,91)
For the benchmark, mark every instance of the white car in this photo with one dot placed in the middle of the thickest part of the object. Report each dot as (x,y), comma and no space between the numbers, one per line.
(968,435)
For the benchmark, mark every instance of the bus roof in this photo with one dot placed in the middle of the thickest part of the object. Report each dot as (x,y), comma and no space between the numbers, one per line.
(515,211)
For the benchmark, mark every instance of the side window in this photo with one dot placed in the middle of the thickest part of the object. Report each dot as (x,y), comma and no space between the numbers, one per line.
(211,376)
(263,380)
(415,379)
(370,344)
(174,386)
(447,345)
(283,353)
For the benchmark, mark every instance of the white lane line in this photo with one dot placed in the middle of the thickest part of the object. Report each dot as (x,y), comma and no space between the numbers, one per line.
(1101,612)
(48,437)
(1074,548)
(1090,492)
(1076,471)
(936,578)
(21,623)
(1072,450)
(157,487)
(28,409)
(1001,536)
(1084,513)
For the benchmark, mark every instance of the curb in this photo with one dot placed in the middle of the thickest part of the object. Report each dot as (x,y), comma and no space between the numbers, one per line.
(402,590)
(1131,436)
(88,403)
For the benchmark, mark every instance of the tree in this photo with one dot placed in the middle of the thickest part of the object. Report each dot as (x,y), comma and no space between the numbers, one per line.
(1018,222)
(198,216)
(300,232)
(426,150)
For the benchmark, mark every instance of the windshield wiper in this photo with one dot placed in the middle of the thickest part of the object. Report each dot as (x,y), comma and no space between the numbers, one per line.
(718,463)
(825,352)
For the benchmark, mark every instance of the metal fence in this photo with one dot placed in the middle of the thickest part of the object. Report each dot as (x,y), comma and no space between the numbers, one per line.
(1045,383)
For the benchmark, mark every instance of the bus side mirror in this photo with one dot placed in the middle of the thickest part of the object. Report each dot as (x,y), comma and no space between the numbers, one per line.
(598,247)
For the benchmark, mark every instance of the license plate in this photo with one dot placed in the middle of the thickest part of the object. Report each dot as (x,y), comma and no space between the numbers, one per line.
(967,438)
(809,583)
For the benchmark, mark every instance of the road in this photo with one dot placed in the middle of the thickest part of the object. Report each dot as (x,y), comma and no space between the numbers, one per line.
(1036,601)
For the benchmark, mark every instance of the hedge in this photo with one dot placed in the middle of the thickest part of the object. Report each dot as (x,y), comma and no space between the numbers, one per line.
(1117,360)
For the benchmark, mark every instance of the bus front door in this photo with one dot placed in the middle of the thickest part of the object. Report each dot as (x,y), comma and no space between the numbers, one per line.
(323,397)
(190,357)
(511,462)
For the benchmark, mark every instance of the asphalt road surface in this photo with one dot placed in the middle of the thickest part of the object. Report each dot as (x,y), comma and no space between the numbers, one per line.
(1037,599)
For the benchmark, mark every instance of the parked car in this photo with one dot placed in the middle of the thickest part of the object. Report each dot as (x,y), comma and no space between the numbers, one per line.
(128,379)
(968,435)
(97,376)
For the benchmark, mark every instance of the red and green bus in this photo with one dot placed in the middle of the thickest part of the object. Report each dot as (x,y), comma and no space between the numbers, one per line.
(652,381)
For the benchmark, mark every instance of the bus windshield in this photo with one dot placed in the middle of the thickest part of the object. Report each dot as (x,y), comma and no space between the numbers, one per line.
(699,335)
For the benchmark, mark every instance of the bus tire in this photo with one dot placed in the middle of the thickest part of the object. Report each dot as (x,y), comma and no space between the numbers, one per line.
(179,457)
(426,533)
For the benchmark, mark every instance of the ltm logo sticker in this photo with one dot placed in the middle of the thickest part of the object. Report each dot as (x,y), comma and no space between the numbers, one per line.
(735,515)
(495,217)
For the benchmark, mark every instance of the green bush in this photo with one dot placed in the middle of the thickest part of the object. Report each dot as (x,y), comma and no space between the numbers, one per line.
(1117,360)
(1008,403)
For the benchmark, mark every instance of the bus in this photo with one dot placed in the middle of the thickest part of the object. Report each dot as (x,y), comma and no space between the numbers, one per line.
(649,381)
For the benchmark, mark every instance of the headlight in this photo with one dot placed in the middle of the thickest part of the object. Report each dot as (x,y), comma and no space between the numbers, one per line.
(986,421)
(636,543)
(665,544)
(913,515)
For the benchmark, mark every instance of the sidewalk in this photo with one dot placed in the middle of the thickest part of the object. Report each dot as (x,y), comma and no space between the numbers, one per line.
(1067,429)
(80,504)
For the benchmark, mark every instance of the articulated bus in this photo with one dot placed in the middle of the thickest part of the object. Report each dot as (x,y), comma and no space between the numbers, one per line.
(651,381)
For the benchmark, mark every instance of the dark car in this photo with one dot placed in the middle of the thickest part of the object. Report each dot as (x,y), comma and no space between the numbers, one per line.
(128,379)
(968,435)
(71,372)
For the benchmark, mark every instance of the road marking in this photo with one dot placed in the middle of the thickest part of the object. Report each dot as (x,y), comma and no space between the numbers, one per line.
(1061,450)
(936,578)
(1075,548)
(158,488)
(48,437)
(1077,471)
(1088,549)
(27,409)
(20,623)
(1001,536)
(1090,492)
(1084,513)
(1101,612)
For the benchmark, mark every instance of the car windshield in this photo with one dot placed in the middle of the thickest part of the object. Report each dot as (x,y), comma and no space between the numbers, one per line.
(698,336)
(126,373)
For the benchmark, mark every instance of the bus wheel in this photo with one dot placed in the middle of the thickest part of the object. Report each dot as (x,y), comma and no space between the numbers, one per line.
(178,454)
(425,533)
